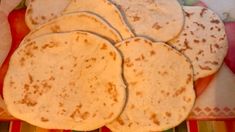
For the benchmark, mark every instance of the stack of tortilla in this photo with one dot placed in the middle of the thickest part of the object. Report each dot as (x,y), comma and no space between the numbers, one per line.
(129,65)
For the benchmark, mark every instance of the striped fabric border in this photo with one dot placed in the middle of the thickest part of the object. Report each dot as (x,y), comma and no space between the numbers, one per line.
(189,126)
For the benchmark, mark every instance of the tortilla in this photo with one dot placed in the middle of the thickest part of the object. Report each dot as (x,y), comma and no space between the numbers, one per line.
(159,20)
(203,40)
(160,87)
(41,11)
(78,21)
(65,81)
(5,36)
(104,9)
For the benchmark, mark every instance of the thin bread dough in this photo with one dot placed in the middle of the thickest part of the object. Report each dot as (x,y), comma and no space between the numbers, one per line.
(160,87)
(104,9)
(158,20)
(83,21)
(203,40)
(41,11)
(65,81)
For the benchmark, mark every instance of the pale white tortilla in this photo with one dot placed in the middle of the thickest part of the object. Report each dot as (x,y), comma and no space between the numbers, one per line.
(5,36)
(104,9)
(159,20)
(160,87)
(203,40)
(41,11)
(78,21)
(65,81)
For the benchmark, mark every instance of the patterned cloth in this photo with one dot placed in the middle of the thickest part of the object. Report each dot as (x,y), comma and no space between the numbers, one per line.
(189,126)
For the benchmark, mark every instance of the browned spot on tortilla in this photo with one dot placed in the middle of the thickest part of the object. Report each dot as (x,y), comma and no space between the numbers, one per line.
(187,99)
(61,68)
(200,52)
(55,29)
(52,78)
(203,40)
(189,78)
(27,101)
(202,12)
(104,46)
(85,115)
(128,62)
(168,114)
(30,78)
(196,41)
(213,36)
(43,119)
(22,61)
(156,26)
(137,39)
(221,39)
(113,55)
(11,83)
(112,90)
(142,57)
(215,21)
(77,112)
(199,25)
(186,44)
(154,119)
(212,62)
(204,67)
(130,124)
(136,18)
(26,87)
(216,46)
(132,83)
(33,21)
(43,17)
(127,42)
(120,121)
(152,52)
(61,104)
(187,14)
(179,91)
(191,32)
(132,106)
(50,45)
(138,93)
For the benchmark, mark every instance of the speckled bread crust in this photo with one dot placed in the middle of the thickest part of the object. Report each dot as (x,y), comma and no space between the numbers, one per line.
(83,21)
(203,40)
(104,9)
(41,11)
(65,81)
(159,20)
(160,87)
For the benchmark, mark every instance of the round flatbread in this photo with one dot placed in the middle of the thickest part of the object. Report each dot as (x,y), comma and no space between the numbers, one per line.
(41,11)
(203,40)
(65,81)
(104,9)
(78,21)
(5,36)
(159,20)
(160,87)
